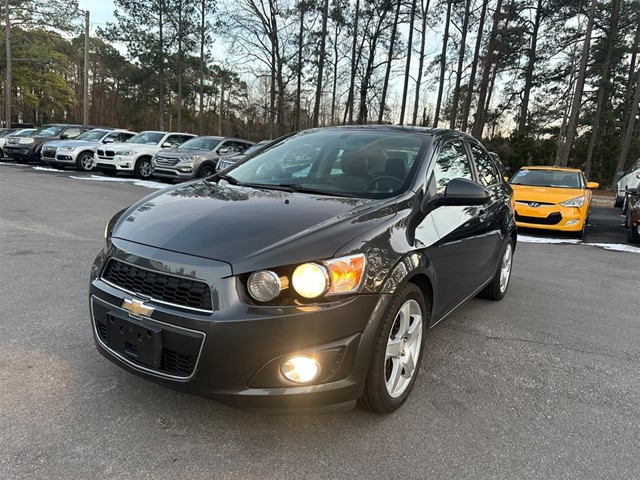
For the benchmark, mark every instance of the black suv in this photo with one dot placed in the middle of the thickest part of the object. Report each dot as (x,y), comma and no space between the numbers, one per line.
(27,149)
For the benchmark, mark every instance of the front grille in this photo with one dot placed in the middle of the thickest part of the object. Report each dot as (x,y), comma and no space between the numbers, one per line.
(167,161)
(551,219)
(106,153)
(177,363)
(49,152)
(159,286)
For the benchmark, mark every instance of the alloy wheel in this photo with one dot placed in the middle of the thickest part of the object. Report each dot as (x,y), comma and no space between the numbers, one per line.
(403,348)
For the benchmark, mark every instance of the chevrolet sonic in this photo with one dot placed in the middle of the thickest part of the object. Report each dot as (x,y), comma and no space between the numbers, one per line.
(306,276)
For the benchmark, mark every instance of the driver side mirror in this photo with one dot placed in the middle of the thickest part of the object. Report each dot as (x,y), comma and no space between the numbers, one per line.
(167,145)
(223,150)
(632,191)
(593,185)
(458,192)
(64,136)
(108,140)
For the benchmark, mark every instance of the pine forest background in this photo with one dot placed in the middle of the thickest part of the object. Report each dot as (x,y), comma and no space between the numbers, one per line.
(539,81)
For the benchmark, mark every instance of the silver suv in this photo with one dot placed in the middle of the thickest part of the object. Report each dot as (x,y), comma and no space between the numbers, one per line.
(134,156)
(196,158)
(80,151)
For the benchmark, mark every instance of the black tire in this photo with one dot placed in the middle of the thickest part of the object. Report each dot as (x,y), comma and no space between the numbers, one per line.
(85,162)
(617,201)
(107,172)
(409,302)
(633,233)
(497,287)
(21,161)
(143,169)
(206,171)
(625,204)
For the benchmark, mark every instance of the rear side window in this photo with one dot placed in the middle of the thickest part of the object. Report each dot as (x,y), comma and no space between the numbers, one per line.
(452,162)
(488,174)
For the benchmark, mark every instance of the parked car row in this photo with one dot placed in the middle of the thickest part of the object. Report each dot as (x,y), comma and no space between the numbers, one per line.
(168,156)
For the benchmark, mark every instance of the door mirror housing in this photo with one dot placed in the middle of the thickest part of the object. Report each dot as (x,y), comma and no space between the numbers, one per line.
(593,185)
(458,192)
(108,140)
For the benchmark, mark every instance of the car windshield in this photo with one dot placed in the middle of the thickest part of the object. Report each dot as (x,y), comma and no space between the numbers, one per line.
(200,144)
(48,131)
(147,138)
(547,178)
(342,162)
(92,135)
(255,147)
(27,132)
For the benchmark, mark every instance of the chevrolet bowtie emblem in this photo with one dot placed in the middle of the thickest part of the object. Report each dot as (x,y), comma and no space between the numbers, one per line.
(136,308)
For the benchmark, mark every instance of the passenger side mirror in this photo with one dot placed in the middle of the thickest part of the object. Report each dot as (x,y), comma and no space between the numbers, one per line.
(167,145)
(108,140)
(223,150)
(593,185)
(64,136)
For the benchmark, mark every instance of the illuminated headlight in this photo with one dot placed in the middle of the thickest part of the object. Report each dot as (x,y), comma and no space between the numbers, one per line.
(574,202)
(26,141)
(332,277)
(66,149)
(126,153)
(300,369)
(190,158)
(264,285)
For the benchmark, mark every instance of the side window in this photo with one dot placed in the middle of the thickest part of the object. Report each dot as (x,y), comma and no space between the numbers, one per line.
(488,174)
(174,139)
(72,132)
(452,162)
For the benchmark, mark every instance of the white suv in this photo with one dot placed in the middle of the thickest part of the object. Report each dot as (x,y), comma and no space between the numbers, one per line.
(630,179)
(134,155)
(79,152)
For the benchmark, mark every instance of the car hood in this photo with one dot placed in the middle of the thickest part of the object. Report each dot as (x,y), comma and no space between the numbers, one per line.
(137,147)
(183,152)
(246,227)
(526,193)
(73,143)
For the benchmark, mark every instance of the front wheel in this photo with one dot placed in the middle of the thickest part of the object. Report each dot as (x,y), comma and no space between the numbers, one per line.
(206,171)
(497,287)
(633,233)
(85,162)
(143,168)
(617,201)
(397,351)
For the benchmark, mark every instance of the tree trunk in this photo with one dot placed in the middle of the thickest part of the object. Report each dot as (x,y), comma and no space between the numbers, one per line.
(9,73)
(405,90)
(297,107)
(603,91)
(528,78)
(161,79)
(203,35)
(474,66)
(392,44)
(334,87)
(456,90)
(423,38)
(572,124)
(443,64)
(348,113)
(322,54)
(478,124)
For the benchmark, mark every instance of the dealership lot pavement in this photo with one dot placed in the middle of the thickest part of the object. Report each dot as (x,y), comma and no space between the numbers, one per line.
(545,384)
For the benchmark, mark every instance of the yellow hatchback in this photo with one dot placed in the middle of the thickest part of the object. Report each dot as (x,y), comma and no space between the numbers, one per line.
(552,198)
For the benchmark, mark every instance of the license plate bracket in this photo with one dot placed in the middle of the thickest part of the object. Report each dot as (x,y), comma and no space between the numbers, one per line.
(138,342)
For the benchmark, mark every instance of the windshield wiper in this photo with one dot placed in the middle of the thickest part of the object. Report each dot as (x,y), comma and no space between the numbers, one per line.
(228,178)
(296,187)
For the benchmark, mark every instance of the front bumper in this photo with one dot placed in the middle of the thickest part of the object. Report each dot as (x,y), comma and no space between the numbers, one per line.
(118,163)
(25,153)
(233,354)
(551,217)
(173,173)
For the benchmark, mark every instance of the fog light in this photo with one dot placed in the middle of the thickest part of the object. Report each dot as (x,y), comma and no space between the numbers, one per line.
(300,369)
(572,222)
(186,169)
(264,285)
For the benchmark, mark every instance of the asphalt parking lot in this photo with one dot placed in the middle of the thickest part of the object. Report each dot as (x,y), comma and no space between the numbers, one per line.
(545,384)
